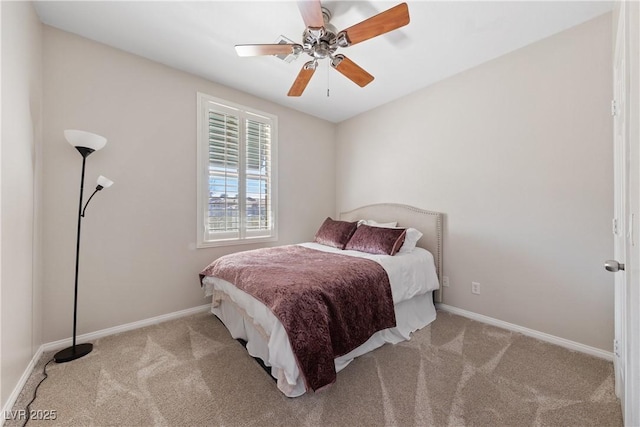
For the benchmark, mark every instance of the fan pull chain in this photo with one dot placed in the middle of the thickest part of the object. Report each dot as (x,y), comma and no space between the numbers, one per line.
(328,81)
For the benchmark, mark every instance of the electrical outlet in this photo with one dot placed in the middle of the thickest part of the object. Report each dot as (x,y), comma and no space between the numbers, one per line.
(445,281)
(475,288)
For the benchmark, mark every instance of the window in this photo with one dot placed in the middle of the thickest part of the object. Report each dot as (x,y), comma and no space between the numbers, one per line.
(236,173)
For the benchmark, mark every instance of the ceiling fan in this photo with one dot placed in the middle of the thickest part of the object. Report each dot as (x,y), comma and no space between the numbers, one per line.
(321,40)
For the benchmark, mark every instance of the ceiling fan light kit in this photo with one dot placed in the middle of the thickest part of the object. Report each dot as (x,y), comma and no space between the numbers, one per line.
(320,40)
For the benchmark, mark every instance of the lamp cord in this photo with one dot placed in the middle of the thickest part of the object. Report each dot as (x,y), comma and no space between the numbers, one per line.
(35,393)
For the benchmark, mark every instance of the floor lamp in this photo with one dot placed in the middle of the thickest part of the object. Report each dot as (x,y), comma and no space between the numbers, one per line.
(86,143)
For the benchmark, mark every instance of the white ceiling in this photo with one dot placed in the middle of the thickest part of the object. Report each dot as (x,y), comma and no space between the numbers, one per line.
(442,39)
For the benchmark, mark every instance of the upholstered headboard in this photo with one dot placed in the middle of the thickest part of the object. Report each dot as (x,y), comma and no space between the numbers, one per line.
(428,222)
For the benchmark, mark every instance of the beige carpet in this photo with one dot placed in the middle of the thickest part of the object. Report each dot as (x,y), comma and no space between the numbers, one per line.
(455,372)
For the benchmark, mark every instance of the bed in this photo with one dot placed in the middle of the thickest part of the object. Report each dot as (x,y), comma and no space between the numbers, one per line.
(412,292)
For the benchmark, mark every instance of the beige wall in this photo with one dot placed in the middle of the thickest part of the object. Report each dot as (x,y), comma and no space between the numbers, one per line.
(21,138)
(517,152)
(138,256)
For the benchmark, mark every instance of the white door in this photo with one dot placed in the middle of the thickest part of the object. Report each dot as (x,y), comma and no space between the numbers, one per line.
(626,266)
(620,223)
(631,318)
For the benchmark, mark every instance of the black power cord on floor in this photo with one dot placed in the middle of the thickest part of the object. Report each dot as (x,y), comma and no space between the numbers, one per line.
(35,393)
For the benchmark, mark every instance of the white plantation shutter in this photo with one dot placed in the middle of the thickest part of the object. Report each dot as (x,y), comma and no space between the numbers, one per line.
(236,174)
(224,164)
(258,182)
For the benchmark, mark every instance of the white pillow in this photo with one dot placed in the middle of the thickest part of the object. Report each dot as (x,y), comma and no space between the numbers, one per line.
(410,239)
(373,223)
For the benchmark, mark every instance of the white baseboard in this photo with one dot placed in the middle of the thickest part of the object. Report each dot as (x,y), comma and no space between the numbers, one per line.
(60,344)
(55,345)
(18,388)
(571,345)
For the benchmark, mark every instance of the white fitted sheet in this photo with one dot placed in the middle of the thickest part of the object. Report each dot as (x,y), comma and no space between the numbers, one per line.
(412,277)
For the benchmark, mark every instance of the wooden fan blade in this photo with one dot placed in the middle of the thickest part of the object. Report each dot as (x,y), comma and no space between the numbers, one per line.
(389,20)
(265,49)
(311,12)
(303,79)
(352,71)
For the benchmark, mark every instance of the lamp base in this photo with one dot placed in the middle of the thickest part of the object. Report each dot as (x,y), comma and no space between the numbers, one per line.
(72,353)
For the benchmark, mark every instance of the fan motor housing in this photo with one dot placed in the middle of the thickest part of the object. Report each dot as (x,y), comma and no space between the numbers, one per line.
(320,42)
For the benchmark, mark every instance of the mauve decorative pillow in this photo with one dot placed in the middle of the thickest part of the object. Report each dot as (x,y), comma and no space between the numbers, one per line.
(335,233)
(377,240)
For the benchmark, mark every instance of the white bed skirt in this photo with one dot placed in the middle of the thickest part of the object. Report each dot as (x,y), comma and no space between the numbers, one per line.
(275,350)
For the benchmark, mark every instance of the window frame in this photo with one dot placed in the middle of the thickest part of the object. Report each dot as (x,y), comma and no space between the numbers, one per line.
(243,236)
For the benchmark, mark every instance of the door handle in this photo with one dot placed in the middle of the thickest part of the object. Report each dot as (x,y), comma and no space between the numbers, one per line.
(613,265)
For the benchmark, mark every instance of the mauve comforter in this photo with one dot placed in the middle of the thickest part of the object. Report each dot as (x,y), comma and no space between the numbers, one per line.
(328,303)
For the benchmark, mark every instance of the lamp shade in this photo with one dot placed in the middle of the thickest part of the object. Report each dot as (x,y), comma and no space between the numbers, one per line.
(104,182)
(80,138)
